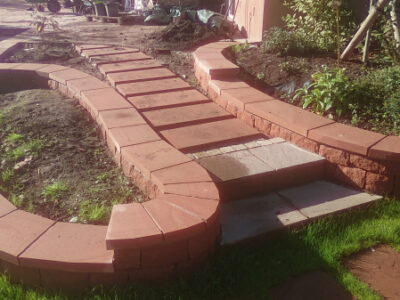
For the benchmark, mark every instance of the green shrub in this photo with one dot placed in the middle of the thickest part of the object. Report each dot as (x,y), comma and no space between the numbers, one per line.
(285,42)
(330,90)
(376,99)
(316,20)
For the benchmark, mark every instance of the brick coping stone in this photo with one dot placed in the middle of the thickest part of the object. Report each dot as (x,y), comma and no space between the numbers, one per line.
(168,235)
(365,159)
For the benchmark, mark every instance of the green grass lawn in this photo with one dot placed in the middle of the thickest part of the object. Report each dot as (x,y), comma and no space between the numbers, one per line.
(248,272)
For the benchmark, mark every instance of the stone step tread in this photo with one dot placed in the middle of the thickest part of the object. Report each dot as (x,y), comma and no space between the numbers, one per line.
(128,66)
(139,75)
(257,160)
(186,115)
(168,99)
(198,136)
(152,86)
(114,58)
(107,51)
(251,217)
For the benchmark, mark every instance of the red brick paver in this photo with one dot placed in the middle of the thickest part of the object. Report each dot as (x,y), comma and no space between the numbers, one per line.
(139,75)
(131,227)
(71,247)
(168,99)
(186,115)
(17,231)
(195,136)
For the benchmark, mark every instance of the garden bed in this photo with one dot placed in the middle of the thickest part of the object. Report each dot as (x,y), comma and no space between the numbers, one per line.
(368,93)
(53,161)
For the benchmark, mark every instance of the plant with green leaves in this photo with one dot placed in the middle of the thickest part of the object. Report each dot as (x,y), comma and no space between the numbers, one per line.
(316,20)
(55,191)
(289,42)
(330,91)
(376,100)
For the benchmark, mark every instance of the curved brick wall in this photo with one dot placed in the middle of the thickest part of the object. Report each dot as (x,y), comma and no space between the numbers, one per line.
(364,159)
(175,231)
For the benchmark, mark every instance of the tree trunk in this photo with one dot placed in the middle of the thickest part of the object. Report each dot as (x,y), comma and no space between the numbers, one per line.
(394,17)
(368,22)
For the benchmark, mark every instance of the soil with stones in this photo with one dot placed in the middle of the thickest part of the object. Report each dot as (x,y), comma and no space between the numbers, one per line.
(182,35)
(316,285)
(379,267)
(277,74)
(53,162)
(59,53)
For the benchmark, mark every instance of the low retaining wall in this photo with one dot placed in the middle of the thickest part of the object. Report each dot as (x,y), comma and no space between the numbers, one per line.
(363,159)
(172,233)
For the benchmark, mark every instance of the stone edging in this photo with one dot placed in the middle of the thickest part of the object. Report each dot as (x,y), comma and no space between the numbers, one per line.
(364,159)
(175,231)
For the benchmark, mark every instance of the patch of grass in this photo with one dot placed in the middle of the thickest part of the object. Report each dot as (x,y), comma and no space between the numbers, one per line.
(55,191)
(6,175)
(16,200)
(14,137)
(248,272)
(93,212)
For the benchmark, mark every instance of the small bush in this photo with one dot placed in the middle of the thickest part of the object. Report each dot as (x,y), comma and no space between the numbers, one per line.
(376,100)
(330,90)
(316,20)
(285,42)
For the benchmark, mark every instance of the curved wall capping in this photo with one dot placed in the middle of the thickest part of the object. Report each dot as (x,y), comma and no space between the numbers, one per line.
(167,235)
(364,159)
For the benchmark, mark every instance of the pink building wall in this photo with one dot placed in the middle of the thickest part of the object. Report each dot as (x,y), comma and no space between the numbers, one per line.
(255,16)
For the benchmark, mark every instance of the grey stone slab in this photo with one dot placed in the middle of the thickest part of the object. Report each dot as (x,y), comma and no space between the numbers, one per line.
(248,218)
(321,197)
(285,155)
(234,165)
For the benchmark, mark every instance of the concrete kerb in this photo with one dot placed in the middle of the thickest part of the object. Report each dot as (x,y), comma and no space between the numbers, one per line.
(278,119)
(120,247)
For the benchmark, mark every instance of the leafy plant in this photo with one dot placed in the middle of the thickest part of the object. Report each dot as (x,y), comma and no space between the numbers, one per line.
(55,191)
(93,212)
(376,99)
(237,48)
(7,174)
(318,21)
(14,137)
(294,67)
(330,90)
(288,42)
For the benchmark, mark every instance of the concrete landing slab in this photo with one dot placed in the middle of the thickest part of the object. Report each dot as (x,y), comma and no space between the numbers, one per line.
(194,137)
(234,165)
(115,58)
(128,66)
(321,198)
(259,166)
(139,75)
(152,86)
(285,155)
(168,100)
(186,115)
(248,218)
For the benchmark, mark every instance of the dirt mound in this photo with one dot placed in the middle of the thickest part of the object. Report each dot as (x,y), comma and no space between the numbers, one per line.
(183,34)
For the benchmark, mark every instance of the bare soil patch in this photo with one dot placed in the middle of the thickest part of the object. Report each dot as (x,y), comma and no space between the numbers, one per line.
(315,285)
(46,52)
(182,35)
(53,162)
(271,72)
(379,268)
